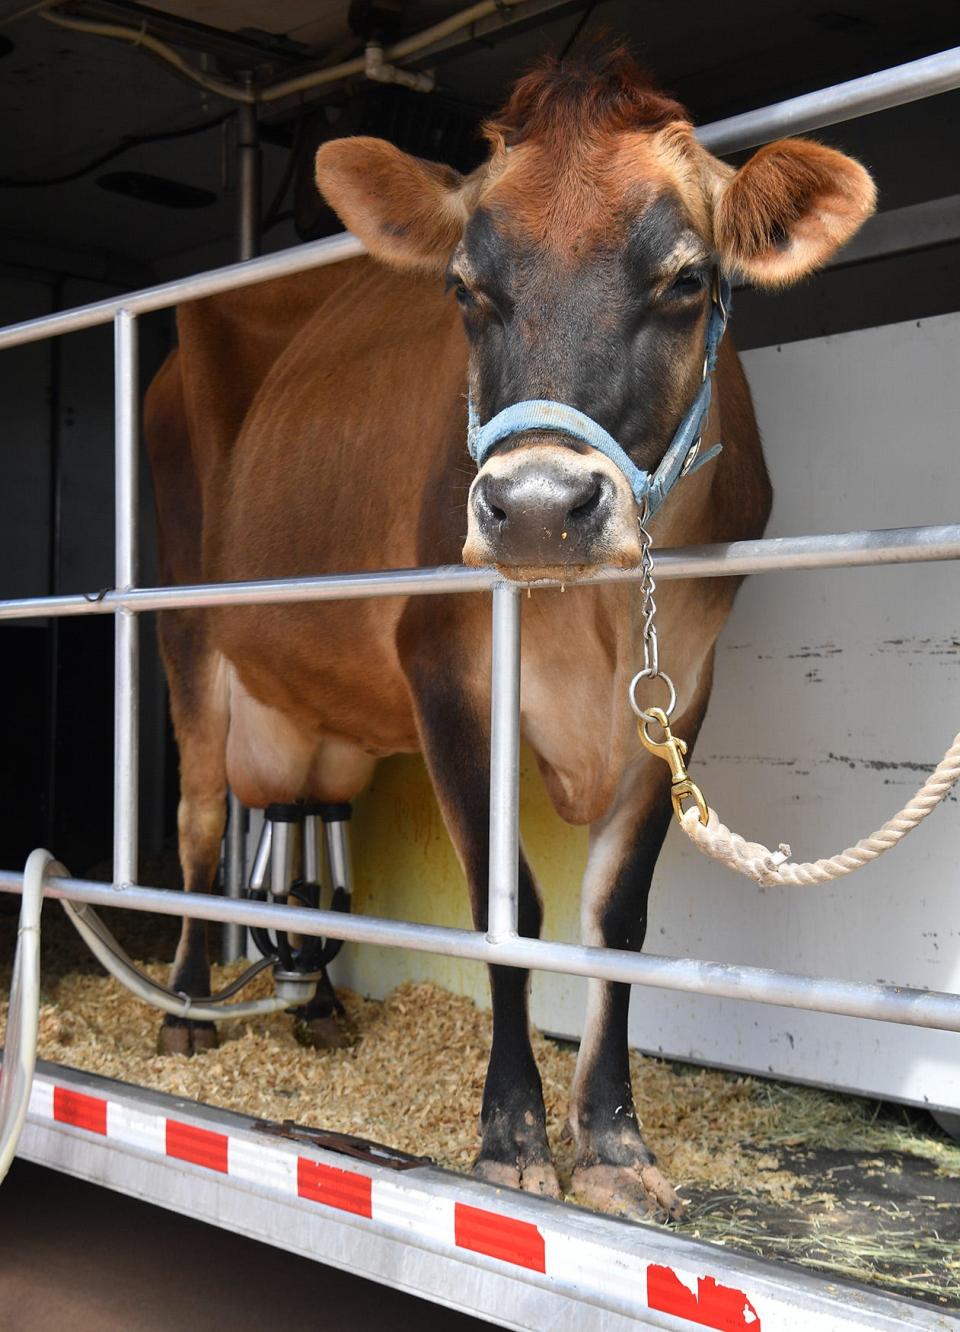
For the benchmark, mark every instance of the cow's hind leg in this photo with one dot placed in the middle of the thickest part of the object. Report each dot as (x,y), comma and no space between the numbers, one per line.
(198,701)
(514,1150)
(615,1170)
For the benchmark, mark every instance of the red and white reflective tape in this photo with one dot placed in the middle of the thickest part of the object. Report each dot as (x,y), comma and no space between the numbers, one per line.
(396,1201)
(423,1205)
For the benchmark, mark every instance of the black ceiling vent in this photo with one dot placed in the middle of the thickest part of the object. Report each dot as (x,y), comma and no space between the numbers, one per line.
(376,20)
(431,125)
(156,190)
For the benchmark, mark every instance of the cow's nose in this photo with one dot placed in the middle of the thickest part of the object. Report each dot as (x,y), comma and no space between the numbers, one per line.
(535,516)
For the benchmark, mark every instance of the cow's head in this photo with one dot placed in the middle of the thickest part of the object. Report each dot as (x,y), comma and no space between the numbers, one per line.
(581,256)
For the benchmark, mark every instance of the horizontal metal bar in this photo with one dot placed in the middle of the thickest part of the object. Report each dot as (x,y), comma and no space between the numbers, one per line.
(903,230)
(834,550)
(733,559)
(886,88)
(316,254)
(884,1003)
(329,587)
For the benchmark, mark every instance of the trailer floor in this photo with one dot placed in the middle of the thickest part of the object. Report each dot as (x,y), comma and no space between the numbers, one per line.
(834,1183)
(112,1264)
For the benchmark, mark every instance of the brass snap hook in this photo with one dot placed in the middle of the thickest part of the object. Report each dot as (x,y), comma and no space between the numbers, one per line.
(681,791)
(672,750)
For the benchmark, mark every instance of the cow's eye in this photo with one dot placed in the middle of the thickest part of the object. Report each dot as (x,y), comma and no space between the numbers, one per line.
(460,290)
(689,282)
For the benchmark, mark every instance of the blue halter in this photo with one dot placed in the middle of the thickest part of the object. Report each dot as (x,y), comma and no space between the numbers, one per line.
(682,457)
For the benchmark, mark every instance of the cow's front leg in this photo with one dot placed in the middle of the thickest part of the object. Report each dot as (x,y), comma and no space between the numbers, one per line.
(514,1150)
(615,1170)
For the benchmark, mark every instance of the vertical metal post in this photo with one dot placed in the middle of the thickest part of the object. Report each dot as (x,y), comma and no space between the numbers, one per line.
(504,763)
(248,245)
(126,709)
(248,182)
(54,520)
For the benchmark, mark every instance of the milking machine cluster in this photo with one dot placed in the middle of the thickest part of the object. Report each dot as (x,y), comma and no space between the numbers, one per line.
(288,867)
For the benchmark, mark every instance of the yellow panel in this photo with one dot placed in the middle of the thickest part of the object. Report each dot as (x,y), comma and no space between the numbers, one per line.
(405,868)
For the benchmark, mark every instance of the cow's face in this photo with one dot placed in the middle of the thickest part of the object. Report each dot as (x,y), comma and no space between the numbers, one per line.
(603,308)
(581,257)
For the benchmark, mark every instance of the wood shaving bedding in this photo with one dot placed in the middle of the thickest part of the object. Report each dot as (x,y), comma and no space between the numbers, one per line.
(413,1080)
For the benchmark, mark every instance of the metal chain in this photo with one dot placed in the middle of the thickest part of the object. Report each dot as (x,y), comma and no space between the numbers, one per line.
(651,646)
(649,641)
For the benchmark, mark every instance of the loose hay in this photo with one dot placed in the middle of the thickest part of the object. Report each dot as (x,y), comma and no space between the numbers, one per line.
(757,1162)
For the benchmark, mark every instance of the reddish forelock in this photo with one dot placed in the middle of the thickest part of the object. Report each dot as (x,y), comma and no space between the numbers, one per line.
(604,90)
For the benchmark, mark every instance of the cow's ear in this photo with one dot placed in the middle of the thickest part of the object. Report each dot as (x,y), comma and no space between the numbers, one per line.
(407,212)
(788,209)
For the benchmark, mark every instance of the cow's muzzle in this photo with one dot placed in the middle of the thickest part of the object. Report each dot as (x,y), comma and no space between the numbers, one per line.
(544,509)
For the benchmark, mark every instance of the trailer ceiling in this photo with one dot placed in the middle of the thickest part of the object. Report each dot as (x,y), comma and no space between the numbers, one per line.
(67,97)
(321,24)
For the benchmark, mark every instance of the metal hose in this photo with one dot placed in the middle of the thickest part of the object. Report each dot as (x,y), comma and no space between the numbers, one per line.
(23,1014)
(113,958)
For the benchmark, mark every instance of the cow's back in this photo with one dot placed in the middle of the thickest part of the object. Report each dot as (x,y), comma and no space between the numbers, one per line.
(197,402)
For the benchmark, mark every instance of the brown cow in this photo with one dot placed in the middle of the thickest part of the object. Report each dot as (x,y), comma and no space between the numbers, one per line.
(318,424)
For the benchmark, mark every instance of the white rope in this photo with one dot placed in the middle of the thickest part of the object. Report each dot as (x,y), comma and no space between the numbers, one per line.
(774,868)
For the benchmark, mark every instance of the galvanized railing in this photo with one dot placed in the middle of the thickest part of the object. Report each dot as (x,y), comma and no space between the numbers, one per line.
(502,943)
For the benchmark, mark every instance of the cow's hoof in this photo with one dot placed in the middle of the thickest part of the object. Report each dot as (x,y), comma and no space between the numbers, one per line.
(638,1192)
(181,1036)
(532,1177)
(324,1033)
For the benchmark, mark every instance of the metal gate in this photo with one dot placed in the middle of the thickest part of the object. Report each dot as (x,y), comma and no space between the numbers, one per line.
(127,1121)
